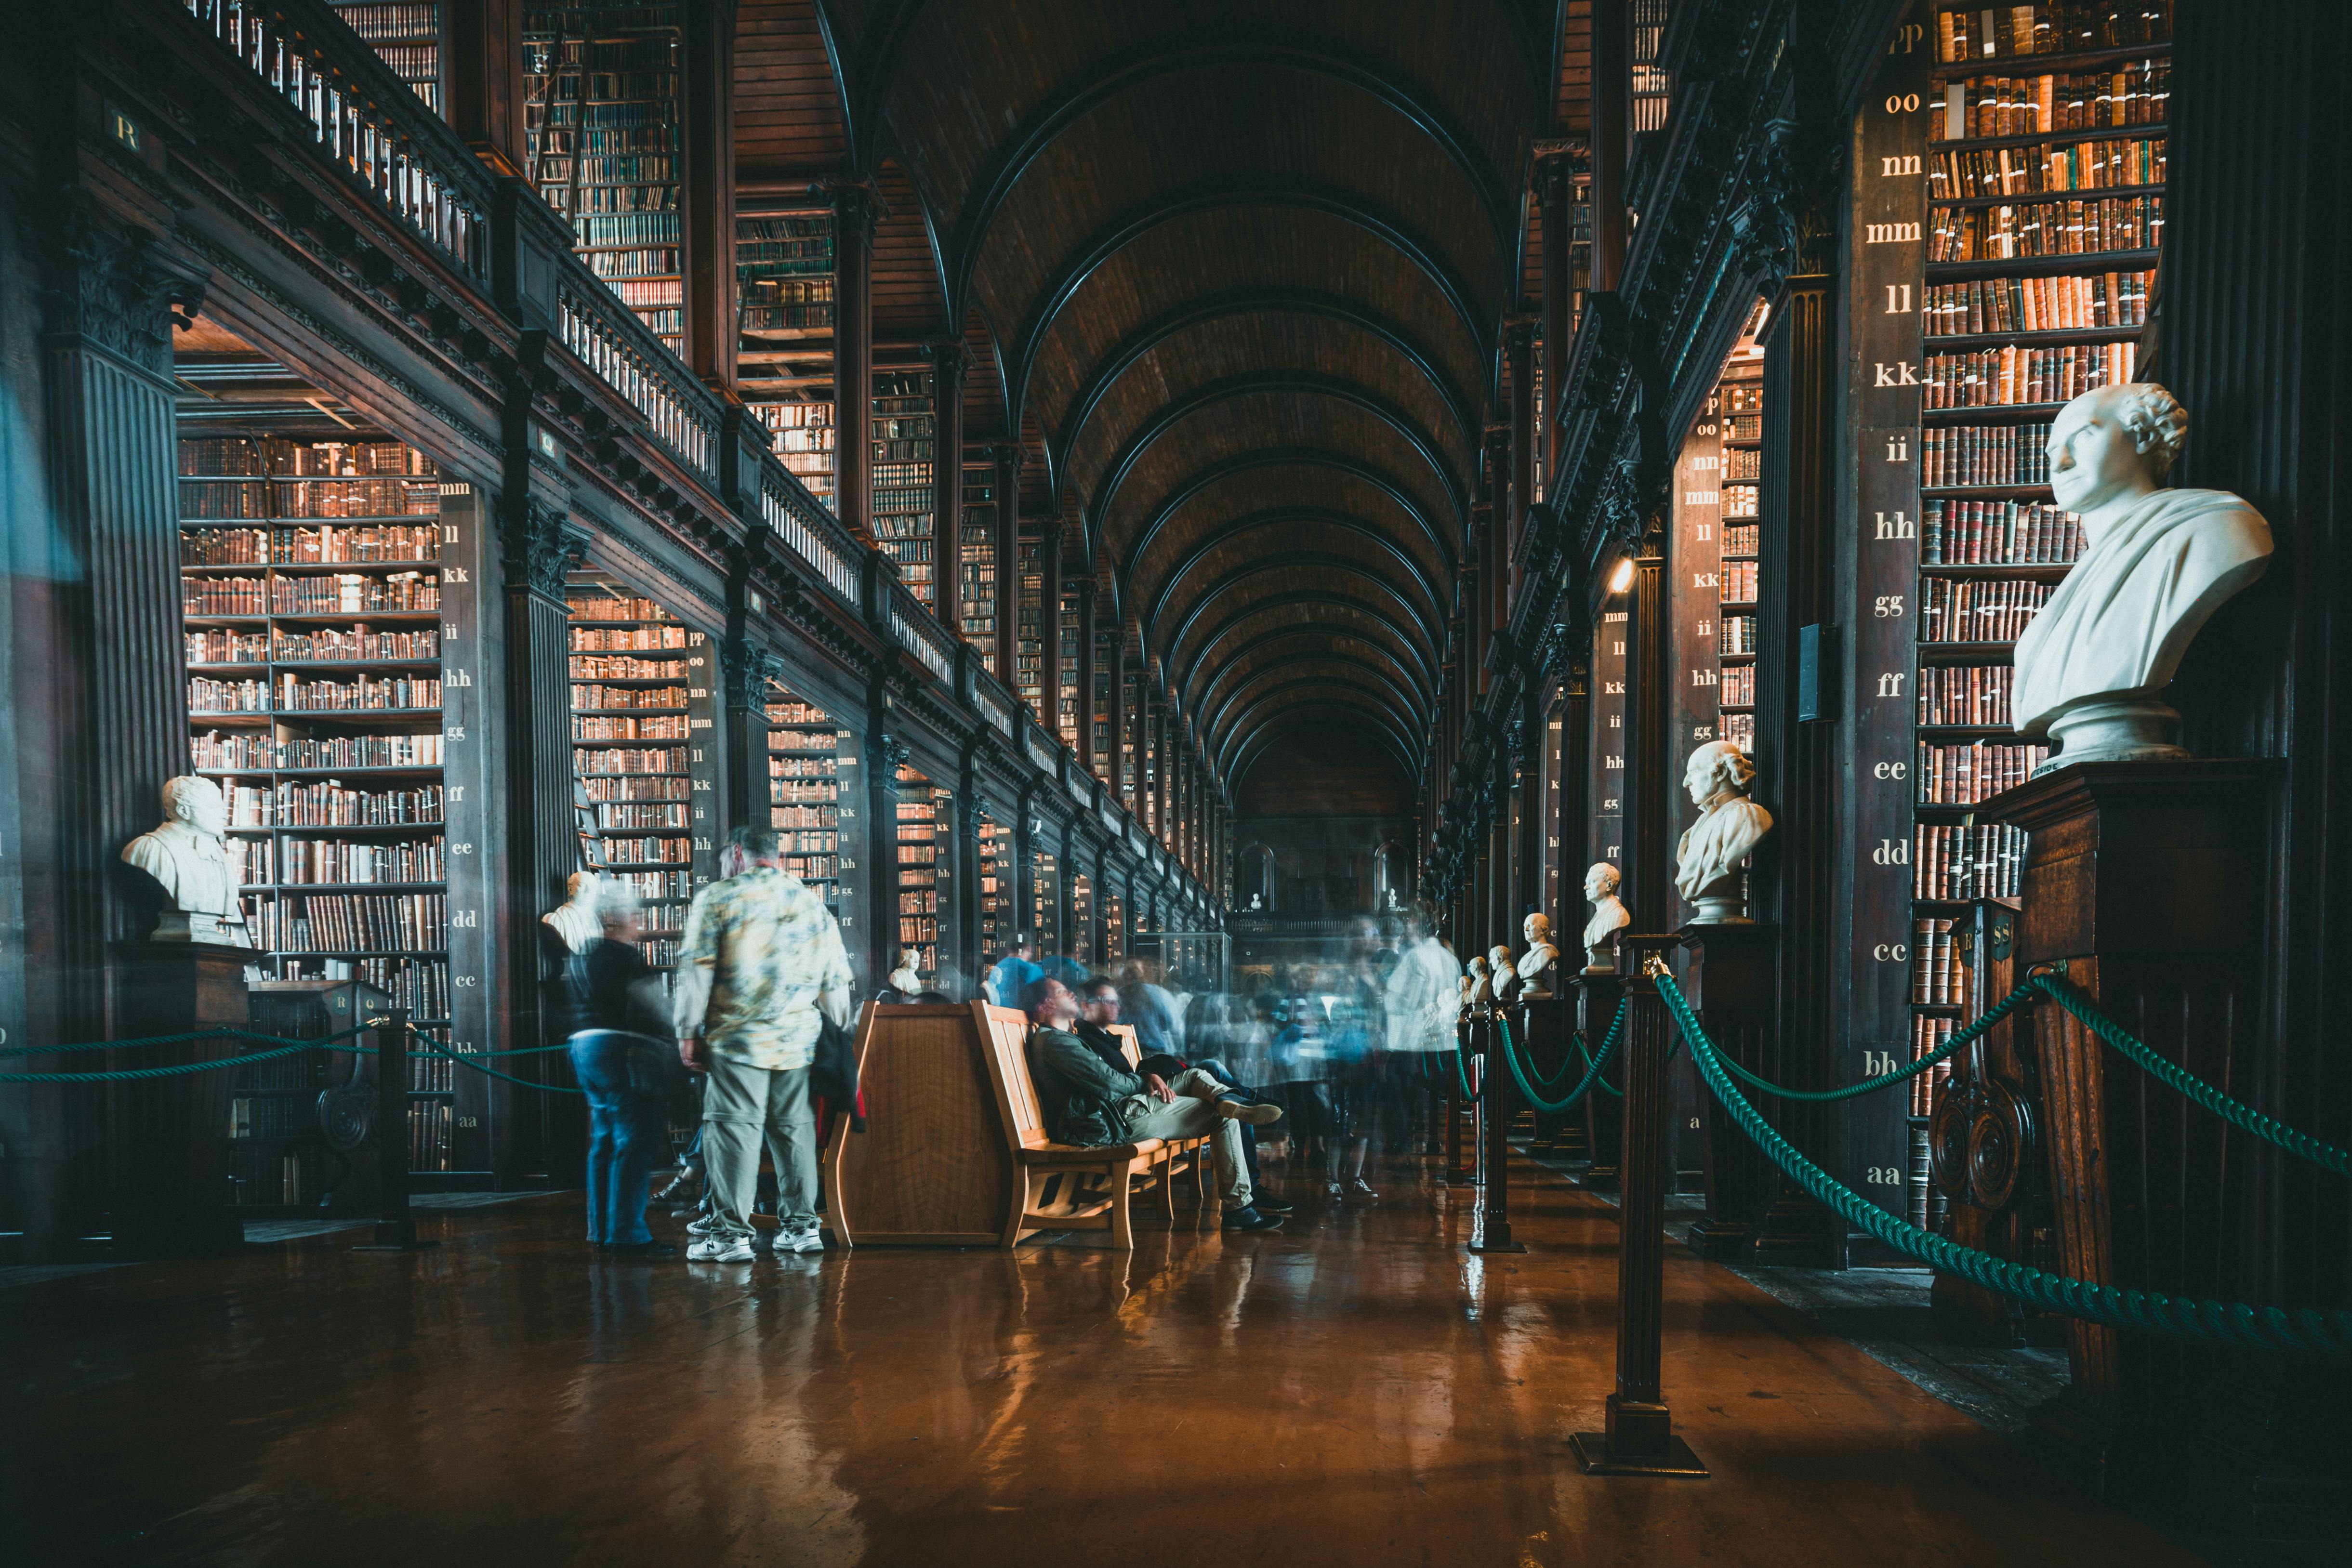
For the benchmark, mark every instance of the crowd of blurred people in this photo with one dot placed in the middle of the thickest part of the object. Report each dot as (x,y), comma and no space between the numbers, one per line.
(1345,1044)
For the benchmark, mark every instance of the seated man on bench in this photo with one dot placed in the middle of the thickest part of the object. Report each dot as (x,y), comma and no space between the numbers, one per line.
(1093,1103)
(1099,1005)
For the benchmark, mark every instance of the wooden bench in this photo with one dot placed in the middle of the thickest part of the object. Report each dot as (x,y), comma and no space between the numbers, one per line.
(1071,1187)
(954,1152)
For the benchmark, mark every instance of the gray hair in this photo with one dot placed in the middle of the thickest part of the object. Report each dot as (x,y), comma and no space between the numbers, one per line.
(2154,421)
(616,900)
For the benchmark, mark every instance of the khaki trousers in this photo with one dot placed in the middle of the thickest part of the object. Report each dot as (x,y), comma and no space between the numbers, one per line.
(1193,1114)
(739,1104)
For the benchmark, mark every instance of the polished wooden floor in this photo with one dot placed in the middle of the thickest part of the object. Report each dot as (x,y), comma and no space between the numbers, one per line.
(1354,1390)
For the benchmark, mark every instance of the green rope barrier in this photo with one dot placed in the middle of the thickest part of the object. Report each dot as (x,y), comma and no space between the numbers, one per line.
(2067,995)
(432,1049)
(182,1039)
(1592,1074)
(134,1075)
(1608,1088)
(2301,1332)
(1999,1010)
(1462,1079)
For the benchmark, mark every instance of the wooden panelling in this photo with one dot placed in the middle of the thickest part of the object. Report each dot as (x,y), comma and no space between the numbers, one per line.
(931,1165)
(788,117)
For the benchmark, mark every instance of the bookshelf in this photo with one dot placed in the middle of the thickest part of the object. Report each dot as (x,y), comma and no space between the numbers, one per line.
(999,910)
(783,353)
(814,803)
(1105,641)
(1114,943)
(1066,668)
(1082,919)
(604,84)
(1028,656)
(1046,902)
(407,37)
(906,444)
(313,619)
(2045,169)
(976,559)
(926,828)
(642,713)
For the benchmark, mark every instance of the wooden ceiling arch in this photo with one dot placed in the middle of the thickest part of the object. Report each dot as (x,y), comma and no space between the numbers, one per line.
(1240,267)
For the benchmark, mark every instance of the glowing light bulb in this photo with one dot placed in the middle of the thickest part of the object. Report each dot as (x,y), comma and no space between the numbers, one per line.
(1622,577)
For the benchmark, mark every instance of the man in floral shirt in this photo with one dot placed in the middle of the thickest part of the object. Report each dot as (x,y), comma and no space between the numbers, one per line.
(761,957)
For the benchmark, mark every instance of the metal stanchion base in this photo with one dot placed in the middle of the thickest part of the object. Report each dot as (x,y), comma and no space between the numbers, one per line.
(1591,1449)
(1497,1247)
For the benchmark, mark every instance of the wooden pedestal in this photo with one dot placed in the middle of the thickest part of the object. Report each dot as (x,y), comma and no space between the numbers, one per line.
(2151,882)
(1596,998)
(170,1195)
(1732,990)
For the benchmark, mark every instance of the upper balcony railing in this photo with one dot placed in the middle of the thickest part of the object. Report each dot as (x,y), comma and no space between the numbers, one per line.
(808,530)
(598,328)
(366,117)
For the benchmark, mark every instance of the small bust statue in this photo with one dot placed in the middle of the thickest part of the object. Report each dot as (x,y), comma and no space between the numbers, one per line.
(1503,974)
(1609,917)
(1477,985)
(188,858)
(579,919)
(905,979)
(2155,566)
(1728,829)
(1536,963)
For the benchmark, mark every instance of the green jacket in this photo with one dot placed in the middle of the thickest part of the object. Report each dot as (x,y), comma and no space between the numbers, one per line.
(1083,1096)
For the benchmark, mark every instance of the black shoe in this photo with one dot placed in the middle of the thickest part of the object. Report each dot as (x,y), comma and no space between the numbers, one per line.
(644,1248)
(1250,1219)
(1265,1205)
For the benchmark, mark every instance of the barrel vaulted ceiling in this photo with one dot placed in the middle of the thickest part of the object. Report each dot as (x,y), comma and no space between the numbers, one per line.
(1238,271)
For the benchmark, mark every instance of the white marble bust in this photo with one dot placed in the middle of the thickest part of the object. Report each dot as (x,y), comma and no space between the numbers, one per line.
(1503,974)
(579,919)
(1609,917)
(188,858)
(1536,963)
(905,979)
(1477,991)
(1728,829)
(2155,564)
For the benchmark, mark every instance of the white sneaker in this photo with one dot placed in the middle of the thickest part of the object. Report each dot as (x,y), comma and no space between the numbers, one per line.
(809,1240)
(720,1249)
(1362,1187)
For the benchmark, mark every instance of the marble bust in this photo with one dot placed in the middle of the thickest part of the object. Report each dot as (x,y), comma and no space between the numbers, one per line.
(1475,993)
(1728,829)
(1503,974)
(1536,963)
(188,858)
(905,979)
(1609,917)
(579,919)
(2155,564)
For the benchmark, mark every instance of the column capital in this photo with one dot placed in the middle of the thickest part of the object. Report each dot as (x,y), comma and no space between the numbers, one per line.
(857,204)
(949,357)
(1009,452)
(1519,339)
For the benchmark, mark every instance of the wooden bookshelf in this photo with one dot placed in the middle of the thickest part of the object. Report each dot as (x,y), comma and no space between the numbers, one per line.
(406,36)
(643,712)
(976,559)
(313,618)
(904,428)
(814,803)
(926,862)
(604,84)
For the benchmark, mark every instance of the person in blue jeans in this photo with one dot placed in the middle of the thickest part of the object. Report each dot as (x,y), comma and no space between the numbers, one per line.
(629,1134)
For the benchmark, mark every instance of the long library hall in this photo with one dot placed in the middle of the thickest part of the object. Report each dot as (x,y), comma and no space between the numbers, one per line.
(860,783)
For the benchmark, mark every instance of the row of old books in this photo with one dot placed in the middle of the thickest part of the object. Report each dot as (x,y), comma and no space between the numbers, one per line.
(1985,860)
(1961,456)
(1998,533)
(2010,376)
(1973,611)
(2086,303)
(1969,774)
(1958,173)
(1977,696)
(2087,226)
(628,727)
(2049,28)
(2137,92)
(367,545)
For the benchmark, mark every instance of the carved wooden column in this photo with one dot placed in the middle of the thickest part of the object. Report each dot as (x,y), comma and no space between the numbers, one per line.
(950,361)
(1797,878)
(855,210)
(1555,183)
(1115,721)
(1519,353)
(483,73)
(538,547)
(1049,628)
(1597,1000)
(1007,455)
(1651,775)
(1612,87)
(1087,589)
(707,196)
(1161,784)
